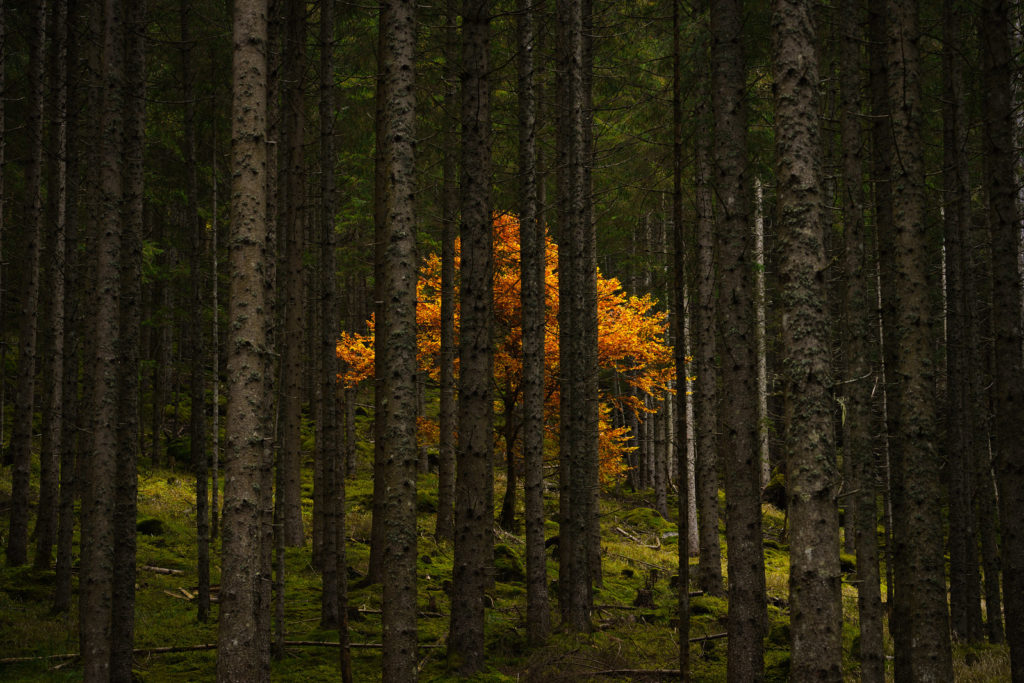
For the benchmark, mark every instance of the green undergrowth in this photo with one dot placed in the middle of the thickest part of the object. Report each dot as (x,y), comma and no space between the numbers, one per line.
(635,615)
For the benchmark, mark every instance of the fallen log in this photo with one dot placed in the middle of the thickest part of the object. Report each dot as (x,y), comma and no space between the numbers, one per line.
(160,570)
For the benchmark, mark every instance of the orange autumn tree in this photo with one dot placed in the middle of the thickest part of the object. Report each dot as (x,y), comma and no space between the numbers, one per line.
(631,341)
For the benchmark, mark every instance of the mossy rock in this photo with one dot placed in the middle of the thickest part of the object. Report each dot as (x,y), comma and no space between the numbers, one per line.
(151,526)
(708,604)
(508,567)
(647,520)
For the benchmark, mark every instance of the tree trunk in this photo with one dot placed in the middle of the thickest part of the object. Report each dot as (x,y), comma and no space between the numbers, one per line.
(53,374)
(293,214)
(705,364)
(923,570)
(964,577)
(1008,392)
(99,497)
(473,512)
(814,583)
(532,271)
(197,422)
(449,218)
(738,441)
(125,512)
(241,654)
(21,431)
(399,369)
(858,444)
(679,302)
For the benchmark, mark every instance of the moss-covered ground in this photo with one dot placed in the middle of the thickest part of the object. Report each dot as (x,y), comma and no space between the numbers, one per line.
(638,552)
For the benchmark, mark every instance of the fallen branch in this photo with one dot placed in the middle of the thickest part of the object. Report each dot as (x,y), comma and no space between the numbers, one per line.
(176,595)
(713,636)
(160,570)
(639,541)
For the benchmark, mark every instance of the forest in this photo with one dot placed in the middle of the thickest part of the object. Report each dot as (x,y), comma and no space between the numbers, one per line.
(501,340)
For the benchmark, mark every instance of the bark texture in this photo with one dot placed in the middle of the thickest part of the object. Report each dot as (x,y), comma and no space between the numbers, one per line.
(859,372)
(1008,393)
(738,445)
(474,517)
(532,248)
(242,653)
(399,369)
(923,569)
(814,580)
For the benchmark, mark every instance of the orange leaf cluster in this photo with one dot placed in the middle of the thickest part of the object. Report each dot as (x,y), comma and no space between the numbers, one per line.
(631,337)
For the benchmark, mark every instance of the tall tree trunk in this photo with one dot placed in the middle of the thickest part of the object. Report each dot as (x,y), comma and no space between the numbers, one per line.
(738,441)
(399,369)
(705,363)
(74,324)
(760,312)
(923,570)
(125,512)
(241,654)
(197,422)
(532,270)
(380,198)
(679,274)
(814,580)
(215,353)
(578,470)
(99,497)
(53,375)
(21,432)
(1008,392)
(860,376)
(327,442)
(293,213)
(474,477)
(964,578)
(449,217)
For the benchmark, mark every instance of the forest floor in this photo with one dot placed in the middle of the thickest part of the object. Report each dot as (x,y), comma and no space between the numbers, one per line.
(638,553)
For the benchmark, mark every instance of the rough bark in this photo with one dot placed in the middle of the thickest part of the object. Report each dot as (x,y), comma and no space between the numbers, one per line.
(126,482)
(705,365)
(399,369)
(99,494)
(578,470)
(197,388)
(679,291)
(473,514)
(964,577)
(24,397)
(814,580)
(738,439)
(293,231)
(859,373)
(449,218)
(532,248)
(53,373)
(242,654)
(1008,392)
(923,569)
